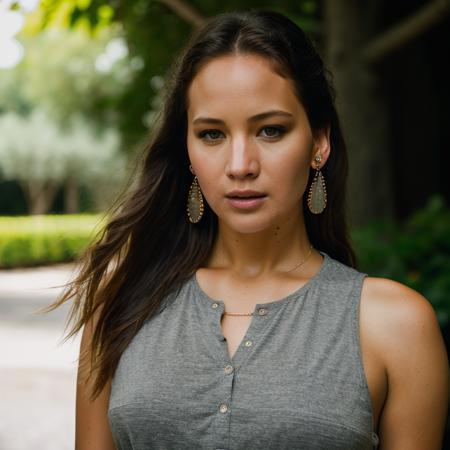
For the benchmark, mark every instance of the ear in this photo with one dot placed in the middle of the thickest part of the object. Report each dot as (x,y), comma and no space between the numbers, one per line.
(321,146)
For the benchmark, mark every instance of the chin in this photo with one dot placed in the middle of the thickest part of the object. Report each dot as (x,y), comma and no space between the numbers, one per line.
(246,225)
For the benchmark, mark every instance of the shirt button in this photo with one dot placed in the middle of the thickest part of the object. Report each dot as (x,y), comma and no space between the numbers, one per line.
(214,305)
(228,369)
(223,408)
(248,343)
(262,311)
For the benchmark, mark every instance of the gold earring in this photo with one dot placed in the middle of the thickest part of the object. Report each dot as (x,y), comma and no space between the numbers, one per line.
(317,197)
(195,202)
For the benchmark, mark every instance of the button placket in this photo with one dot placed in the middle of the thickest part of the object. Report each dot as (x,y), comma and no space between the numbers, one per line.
(231,365)
(224,407)
(222,424)
(254,333)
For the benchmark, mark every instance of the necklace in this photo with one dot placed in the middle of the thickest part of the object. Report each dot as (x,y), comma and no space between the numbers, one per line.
(290,270)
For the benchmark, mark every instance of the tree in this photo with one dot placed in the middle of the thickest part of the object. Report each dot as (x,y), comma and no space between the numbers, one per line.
(41,157)
(94,160)
(65,75)
(67,72)
(354,47)
(28,151)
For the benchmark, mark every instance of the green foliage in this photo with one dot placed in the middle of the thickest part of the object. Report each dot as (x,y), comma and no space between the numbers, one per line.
(415,253)
(67,72)
(35,240)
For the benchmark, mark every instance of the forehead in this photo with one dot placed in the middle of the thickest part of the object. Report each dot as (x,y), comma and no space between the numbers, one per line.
(239,84)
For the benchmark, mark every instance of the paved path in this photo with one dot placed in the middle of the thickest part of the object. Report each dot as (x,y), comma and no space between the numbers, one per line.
(37,370)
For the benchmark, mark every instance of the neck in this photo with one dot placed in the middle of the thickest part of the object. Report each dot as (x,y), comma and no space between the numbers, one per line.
(273,250)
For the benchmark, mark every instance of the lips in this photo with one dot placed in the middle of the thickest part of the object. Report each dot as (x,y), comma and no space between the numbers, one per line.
(245,194)
(247,197)
(246,200)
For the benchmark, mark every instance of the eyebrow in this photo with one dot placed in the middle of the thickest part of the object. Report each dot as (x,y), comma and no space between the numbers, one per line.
(256,118)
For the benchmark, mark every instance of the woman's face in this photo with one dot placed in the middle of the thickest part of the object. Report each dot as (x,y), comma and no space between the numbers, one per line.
(236,142)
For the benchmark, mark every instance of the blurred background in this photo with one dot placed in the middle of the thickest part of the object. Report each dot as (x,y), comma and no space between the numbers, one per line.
(80,84)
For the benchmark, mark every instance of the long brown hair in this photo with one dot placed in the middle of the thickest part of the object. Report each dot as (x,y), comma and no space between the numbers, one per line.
(148,248)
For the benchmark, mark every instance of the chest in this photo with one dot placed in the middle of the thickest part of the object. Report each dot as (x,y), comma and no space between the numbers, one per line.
(274,380)
(234,329)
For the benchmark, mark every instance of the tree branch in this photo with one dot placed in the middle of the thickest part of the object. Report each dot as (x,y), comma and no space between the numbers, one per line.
(410,28)
(185,11)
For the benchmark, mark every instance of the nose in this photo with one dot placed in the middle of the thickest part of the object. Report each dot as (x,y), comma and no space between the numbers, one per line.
(243,160)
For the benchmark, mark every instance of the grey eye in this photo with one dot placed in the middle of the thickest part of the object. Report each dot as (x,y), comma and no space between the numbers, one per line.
(271,134)
(212,133)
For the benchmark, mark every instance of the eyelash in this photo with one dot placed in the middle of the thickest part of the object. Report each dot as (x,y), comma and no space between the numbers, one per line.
(281,130)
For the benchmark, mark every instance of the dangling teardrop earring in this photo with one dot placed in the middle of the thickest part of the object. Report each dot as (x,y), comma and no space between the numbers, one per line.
(195,206)
(317,197)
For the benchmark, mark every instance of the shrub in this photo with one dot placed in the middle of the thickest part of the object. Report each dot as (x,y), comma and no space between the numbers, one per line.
(45,239)
(415,253)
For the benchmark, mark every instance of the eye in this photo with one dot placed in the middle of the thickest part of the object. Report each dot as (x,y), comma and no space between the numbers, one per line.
(214,133)
(279,131)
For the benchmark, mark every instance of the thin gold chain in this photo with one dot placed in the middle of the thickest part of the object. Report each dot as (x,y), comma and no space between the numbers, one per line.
(290,270)
(238,314)
(301,262)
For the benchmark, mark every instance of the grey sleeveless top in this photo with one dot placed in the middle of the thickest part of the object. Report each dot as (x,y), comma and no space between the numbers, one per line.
(296,380)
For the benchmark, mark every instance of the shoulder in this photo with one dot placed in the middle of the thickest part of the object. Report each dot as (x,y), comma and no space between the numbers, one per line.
(399,315)
(397,305)
(397,296)
(403,327)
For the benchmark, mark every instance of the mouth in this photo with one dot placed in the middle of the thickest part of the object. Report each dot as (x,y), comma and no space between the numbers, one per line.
(246,197)
(245,194)
(250,202)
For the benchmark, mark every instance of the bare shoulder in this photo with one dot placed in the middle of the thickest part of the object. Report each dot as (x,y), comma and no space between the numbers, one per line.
(397,301)
(400,313)
(400,318)
(404,329)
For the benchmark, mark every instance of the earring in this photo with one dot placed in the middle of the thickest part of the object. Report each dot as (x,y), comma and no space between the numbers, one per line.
(317,197)
(195,202)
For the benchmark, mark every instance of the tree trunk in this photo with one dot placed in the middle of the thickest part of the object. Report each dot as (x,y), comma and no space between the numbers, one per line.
(71,188)
(362,108)
(39,195)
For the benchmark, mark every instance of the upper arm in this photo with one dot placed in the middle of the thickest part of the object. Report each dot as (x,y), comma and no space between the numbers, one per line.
(415,411)
(91,419)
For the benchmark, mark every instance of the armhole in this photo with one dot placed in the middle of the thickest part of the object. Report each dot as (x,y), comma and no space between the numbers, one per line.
(363,383)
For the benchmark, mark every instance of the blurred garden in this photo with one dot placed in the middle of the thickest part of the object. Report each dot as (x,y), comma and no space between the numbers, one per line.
(80,86)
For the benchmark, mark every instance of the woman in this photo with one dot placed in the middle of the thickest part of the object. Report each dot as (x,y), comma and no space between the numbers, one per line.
(242,323)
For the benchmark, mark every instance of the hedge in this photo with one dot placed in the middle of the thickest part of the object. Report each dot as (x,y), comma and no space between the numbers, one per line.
(45,239)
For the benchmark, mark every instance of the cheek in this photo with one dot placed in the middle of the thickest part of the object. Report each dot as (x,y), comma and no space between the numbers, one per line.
(290,165)
(290,175)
